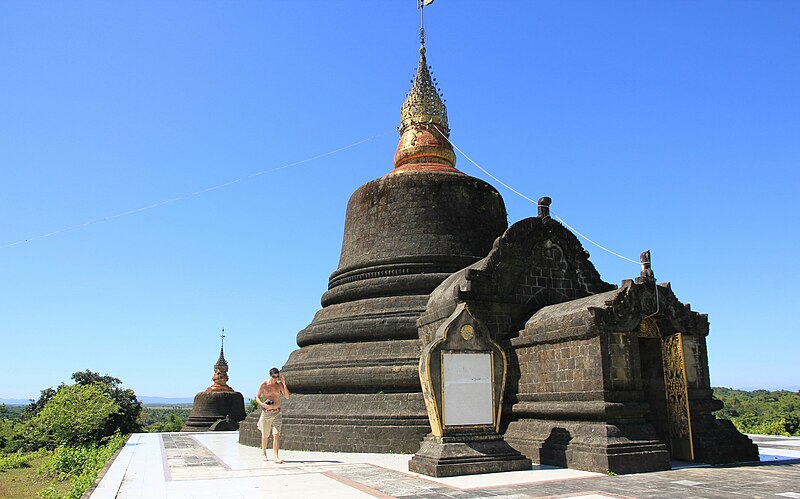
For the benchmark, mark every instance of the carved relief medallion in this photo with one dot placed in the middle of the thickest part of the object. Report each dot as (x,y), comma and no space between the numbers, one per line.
(467,332)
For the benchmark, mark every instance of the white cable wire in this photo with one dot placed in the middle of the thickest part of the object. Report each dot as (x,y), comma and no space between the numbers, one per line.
(186,196)
(529,199)
(596,244)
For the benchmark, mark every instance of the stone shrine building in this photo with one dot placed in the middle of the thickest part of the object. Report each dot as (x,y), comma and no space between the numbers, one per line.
(599,378)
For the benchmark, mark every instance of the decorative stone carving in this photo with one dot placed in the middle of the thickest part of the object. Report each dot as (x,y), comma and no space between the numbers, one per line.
(463,372)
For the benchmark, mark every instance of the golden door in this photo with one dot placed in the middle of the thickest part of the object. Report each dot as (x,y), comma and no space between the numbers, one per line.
(678,416)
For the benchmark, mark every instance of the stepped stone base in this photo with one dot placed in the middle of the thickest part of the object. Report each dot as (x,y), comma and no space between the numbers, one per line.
(590,446)
(717,441)
(248,432)
(378,422)
(455,456)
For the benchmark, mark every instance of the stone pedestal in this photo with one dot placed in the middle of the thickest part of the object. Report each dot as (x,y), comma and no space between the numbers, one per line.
(466,455)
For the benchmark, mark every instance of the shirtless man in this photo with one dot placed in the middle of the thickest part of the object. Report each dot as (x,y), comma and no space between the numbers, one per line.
(269,398)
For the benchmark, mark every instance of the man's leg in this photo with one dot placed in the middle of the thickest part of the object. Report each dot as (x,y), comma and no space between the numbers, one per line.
(275,446)
(264,434)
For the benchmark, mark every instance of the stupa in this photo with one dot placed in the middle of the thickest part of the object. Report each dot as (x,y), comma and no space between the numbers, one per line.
(219,407)
(599,377)
(354,379)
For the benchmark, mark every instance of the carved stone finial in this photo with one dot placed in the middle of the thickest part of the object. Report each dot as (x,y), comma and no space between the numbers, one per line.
(647,274)
(544,207)
(645,259)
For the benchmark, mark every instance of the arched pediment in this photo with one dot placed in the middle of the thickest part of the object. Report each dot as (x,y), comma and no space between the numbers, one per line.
(535,263)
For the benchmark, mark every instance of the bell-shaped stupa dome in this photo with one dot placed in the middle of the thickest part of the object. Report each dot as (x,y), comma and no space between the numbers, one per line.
(354,379)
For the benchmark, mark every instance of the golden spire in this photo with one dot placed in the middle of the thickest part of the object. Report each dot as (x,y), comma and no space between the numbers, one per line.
(220,377)
(423,104)
(424,130)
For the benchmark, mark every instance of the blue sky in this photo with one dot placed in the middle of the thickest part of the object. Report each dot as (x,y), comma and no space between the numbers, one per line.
(670,126)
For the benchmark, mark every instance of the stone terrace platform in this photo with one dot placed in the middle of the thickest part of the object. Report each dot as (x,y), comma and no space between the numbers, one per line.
(213,464)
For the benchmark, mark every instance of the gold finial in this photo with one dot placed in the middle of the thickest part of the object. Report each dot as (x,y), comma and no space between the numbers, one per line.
(220,377)
(424,104)
(424,132)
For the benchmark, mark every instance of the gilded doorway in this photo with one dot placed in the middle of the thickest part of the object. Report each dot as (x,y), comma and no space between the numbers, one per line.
(663,374)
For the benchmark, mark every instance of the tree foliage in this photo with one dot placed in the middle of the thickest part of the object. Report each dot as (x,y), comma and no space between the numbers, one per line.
(78,466)
(174,422)
(41,422)
(761,411)
(76,415)
(125,421)
(155,419)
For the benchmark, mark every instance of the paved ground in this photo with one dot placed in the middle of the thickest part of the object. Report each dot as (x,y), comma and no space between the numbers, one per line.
(205,465)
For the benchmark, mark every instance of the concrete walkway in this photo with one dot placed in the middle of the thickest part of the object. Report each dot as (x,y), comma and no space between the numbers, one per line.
(214,465)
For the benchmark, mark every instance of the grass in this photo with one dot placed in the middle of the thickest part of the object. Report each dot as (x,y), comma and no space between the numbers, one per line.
(26,482)
(66,472)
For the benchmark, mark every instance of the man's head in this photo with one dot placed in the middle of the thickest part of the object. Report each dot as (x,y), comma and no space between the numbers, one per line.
(274,373)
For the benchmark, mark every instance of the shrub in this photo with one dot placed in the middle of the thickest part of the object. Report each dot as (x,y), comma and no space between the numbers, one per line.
(80,465)
(76,415)
(17,460)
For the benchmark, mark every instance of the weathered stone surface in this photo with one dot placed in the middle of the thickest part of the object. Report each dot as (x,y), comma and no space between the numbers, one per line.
(213,406)
(583,365)
(535,263)
(219,407)
(455,456)
(586,386)
(354,378)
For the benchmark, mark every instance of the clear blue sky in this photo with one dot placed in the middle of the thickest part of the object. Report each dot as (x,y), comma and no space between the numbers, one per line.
(672,126)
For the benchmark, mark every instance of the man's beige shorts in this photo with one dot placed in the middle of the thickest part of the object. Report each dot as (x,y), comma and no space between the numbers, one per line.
(270,422)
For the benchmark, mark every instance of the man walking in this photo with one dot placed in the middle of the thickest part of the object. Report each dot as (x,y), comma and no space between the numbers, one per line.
(269,398)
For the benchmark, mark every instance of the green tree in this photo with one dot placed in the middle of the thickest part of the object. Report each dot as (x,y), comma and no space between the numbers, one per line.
(126,420)
(174,422)
(761,411)
(76,415)
(252,406)
(35,406)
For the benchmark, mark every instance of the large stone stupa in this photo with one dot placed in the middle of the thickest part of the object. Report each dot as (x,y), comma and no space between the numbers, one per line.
(354,380)
(600,377)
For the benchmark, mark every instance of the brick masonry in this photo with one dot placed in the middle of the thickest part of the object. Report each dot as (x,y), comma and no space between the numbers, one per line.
(581,391)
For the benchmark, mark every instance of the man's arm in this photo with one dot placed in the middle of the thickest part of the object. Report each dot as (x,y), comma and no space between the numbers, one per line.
(258,397)
(284,388)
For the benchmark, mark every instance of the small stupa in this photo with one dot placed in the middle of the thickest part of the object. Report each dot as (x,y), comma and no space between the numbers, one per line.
(219,407)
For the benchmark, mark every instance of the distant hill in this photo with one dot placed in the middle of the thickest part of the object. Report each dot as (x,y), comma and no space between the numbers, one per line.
(793,388)
(15,401)
(165,400)
(145,400)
